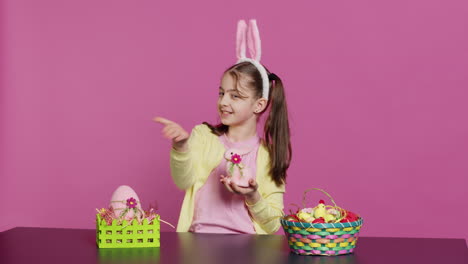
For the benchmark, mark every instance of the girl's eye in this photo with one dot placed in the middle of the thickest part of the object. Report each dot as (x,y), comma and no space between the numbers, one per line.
(221,93)
(235,96)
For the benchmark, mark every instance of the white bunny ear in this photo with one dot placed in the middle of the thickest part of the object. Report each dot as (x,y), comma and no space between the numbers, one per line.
(241,39)
(253,41)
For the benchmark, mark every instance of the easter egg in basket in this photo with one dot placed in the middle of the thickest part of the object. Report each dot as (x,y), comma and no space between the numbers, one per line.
(125,202)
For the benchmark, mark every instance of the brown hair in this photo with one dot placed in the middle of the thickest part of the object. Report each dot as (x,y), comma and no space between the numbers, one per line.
(276,126)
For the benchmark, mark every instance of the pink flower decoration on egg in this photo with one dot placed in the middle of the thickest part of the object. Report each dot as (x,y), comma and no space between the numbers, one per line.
(236,159)
(131,202)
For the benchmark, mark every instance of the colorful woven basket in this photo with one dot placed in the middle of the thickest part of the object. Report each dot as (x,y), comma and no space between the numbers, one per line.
(328,239)
(127,235)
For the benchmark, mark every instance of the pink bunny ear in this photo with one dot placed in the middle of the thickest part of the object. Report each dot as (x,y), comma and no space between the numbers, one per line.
(253,41)
(241,41)
(251,37)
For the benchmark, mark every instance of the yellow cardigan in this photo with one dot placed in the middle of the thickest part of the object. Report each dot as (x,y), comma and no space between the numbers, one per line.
(191,169)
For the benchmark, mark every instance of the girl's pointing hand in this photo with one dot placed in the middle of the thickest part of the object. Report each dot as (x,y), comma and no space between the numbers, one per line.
(174,132)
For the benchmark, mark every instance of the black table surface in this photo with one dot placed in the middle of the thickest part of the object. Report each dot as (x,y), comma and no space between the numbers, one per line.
(55,245)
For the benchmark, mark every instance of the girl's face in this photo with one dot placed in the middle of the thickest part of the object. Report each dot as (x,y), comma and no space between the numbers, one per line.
(237,105)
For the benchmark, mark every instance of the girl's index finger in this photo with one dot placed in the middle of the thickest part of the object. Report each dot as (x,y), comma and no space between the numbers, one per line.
(162,120)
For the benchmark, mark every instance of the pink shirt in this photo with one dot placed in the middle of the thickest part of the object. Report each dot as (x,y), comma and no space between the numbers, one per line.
(216,209)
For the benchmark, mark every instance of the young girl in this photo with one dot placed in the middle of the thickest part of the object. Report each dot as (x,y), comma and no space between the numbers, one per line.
(203,162)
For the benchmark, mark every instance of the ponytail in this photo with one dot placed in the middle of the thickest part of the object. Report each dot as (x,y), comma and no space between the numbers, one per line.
(277,132)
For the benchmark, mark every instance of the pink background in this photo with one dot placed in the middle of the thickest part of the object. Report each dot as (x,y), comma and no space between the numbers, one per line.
(377,93)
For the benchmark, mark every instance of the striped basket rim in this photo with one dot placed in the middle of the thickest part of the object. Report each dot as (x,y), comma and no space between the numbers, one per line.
(320,225)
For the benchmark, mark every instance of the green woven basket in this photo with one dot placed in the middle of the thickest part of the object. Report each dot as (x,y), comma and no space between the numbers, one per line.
(328,239)
(127,235)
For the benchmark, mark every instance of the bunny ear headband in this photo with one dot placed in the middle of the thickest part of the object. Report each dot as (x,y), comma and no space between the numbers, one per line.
(248,36)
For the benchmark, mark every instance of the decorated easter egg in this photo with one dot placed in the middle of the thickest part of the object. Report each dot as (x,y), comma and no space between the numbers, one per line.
(350,217)
(242,178)
(319,220)
(235,167)
(291,218)
(125,202)
(305,217)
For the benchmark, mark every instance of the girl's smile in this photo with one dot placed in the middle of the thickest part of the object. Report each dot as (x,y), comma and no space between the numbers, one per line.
(225,114)
(235,104)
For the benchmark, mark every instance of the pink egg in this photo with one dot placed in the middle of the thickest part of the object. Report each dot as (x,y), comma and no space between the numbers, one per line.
(235,169)
(122,199)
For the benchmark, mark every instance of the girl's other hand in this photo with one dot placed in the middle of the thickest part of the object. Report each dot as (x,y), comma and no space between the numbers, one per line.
(251,194)
(174,132)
